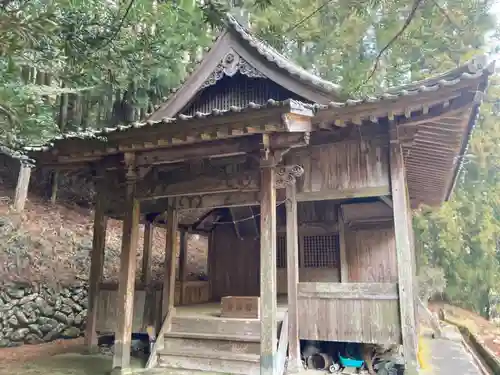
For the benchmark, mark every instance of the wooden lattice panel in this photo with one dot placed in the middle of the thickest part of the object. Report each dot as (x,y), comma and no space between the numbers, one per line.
(238,91)
(281,251)
(321,251)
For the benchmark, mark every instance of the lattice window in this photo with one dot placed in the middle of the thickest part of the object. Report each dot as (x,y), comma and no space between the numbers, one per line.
(321,251)
(281,251)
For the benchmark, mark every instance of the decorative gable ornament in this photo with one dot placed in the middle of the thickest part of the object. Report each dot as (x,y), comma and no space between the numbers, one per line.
(231,64)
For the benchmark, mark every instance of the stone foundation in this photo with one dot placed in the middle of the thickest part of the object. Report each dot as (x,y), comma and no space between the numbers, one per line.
(36,314)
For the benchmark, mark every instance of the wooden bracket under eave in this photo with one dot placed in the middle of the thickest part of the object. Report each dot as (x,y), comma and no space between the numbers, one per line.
(294,122)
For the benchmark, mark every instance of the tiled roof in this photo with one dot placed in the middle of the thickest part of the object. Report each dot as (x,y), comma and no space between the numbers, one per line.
(101,133)
(16,154)
(471,70)
(272,55)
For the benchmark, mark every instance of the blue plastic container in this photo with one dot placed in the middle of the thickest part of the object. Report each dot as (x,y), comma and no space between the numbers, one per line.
(349,362)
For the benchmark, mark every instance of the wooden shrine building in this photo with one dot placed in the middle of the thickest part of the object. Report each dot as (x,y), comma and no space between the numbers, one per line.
(306,200)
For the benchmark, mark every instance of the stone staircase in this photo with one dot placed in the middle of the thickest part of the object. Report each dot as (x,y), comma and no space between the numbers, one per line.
(214,345)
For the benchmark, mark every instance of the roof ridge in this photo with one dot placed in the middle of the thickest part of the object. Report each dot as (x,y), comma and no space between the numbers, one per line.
(478,63)
(276,57)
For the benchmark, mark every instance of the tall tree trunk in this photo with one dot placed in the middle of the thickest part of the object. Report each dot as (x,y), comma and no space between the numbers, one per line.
(62,122)
(86,105)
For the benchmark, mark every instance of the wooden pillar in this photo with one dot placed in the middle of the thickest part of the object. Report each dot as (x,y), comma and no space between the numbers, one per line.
(170,261)
(96,271)
(404,258)
(183,243)
(23,181)
(146,256)
(268,308)
(146,277)
(344,266)
(292,250)
(126,287)
(211,267)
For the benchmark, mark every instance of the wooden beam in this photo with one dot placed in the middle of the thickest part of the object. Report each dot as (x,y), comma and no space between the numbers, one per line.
(343,194)
(371,291)
(423,108)
(404,258)
(183,258)
(146,276)
(297,123)
(387,200)
(245,181)
(125,299)
(23,181)
(220,148)
(292,250)
(268,304)
(170,261)
(344,266)
(96,271)
(154,153)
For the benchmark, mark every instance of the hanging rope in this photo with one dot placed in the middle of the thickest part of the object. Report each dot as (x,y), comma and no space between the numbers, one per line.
(246,218)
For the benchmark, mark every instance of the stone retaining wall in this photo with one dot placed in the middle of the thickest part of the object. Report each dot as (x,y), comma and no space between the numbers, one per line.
(36,314)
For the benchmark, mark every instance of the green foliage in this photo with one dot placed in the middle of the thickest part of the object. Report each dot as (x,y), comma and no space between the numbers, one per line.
(66,64)
(431,282)
(341,42)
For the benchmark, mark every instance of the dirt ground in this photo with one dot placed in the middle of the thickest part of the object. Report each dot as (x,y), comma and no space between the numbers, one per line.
(486,330)
(62,357)
(27,353)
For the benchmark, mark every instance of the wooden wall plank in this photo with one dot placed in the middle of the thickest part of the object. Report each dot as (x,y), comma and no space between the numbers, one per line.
(236,264)
(348,317)
(342,167)
(371,255)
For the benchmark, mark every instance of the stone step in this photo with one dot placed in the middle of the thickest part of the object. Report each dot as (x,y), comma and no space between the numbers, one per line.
(212,343)
(213,362)
(236,327)
(177,371)
(213,354)
(213,336)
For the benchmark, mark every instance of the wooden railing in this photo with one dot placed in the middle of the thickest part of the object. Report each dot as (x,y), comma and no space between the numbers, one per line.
(282,346)
(160,339)
(351,312)
(193,292)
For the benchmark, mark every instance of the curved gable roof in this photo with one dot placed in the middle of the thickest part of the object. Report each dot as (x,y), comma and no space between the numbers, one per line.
(282,62)
(259,56)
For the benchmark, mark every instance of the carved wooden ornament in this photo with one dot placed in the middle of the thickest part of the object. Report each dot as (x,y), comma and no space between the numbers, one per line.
(231,64)
(287,175)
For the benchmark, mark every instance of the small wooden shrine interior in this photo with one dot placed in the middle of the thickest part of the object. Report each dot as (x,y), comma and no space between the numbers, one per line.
(305,199)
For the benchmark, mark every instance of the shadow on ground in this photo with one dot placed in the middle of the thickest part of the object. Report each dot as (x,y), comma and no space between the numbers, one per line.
(65,364)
